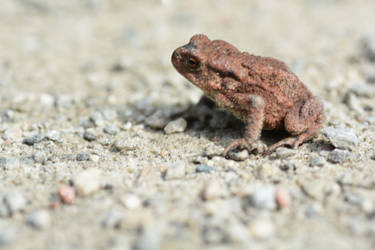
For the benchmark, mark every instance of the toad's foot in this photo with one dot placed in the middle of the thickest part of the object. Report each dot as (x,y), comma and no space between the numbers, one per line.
(257,146)
(293,142)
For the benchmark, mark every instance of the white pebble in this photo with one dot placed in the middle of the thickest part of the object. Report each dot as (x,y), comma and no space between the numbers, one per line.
(87,181)
(131,201)
(39,219)
(175,126)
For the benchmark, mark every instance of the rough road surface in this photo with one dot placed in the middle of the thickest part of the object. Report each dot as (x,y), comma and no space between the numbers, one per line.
(96,152)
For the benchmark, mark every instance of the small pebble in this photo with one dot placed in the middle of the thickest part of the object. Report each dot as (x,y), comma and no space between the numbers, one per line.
(175,126)
(87,181)
(14,202)
(263,197)
(97,119)
(317,162)
(89,135)
(314,189)
(53,135)
(313,210)
(111,129)
(353,198)
(261,229)
(343,138)
(83,156)
(283,153)
(175,170)
(157,120)
(212,190)
(282,197)
(39,157)
(131,201)
(67,194)
(239,156)
(338,156)
(39,219)
(204,169)
(33,139)
(125,145)
(113,218)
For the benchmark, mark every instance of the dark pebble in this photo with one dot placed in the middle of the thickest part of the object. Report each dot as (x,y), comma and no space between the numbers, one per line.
(89,136)
(84,156)
(33,139)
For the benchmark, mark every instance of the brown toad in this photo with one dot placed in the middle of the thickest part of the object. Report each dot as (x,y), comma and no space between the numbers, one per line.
(260,91)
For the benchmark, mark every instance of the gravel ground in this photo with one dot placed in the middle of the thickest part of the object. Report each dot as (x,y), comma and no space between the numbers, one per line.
(96,154)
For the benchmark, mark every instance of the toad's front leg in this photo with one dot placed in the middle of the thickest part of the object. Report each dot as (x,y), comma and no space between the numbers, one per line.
(253,113)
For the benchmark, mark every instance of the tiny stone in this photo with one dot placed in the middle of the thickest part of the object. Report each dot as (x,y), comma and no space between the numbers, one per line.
(87,181)
(283,153)
(89,135)
(212,191)
(15,202)
(97,118)
(204,169)
(113,218)
(314,189)
(131,201)
(110,114)
(313,210)
(263,197)
(239,156)
(353,198)
(83,156)
(317,162)
(33,139)
(175,170)
(283,198)
(125,145)
(66,194)
(47,101)
(343,138)
(338,156)
(39,219)
(175,126)
(261,229)
(111,130)
(157,120)
(39,157)
(53,135)
(367,206)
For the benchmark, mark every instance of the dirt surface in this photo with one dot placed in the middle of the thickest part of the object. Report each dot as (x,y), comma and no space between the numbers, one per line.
(90,103)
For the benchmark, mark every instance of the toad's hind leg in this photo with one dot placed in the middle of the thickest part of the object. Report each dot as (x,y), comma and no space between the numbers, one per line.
(303,122)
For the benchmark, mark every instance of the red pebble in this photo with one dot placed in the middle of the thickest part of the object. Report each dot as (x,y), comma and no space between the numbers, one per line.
(67,194)
(283,198)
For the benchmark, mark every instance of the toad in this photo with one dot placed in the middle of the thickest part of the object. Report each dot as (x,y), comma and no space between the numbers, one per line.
(260,91)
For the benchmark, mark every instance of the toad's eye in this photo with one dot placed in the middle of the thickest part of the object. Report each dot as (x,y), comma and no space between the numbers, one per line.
(192,62)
